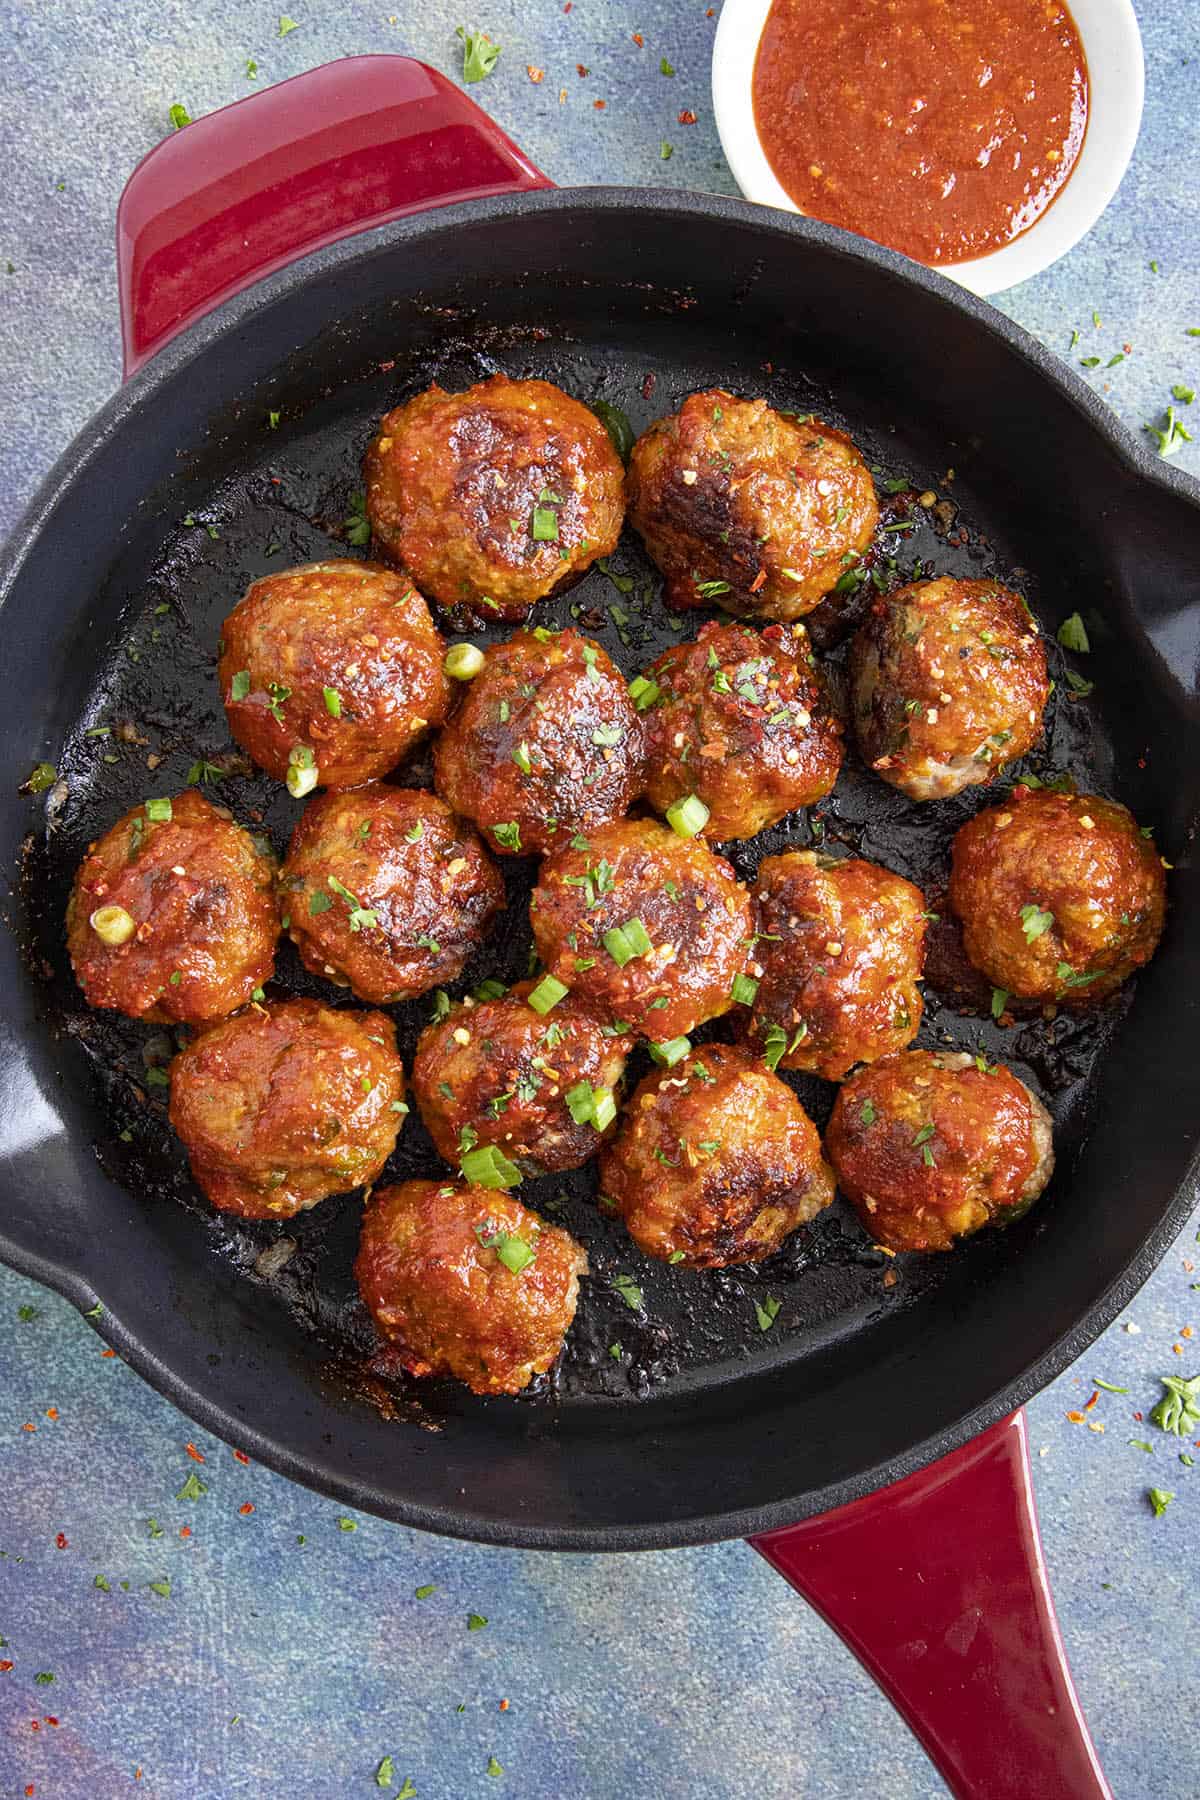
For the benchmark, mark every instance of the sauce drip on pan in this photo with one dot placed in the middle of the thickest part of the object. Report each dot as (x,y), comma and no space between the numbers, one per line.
(942,128)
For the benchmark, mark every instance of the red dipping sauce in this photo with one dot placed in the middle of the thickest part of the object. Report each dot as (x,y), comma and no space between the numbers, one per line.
(942,128)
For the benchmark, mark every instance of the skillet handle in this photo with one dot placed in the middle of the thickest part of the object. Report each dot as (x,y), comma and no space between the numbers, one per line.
(937,1584)
(250,188)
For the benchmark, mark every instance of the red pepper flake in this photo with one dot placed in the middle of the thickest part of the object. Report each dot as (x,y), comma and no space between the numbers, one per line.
(535,75)
(568,5)
(240,1456)
(1088,1405)
(760,580)
(1177,1349)
(247,1506)
(504,1705)
(1187,1332)
(599,105)
(687,117)
(28,1426)
(1076,1418)
(29,1790)
(62,1540)
(648,385)
(52,1412)
(50,1720)
(108,1353)
(276,481)
(5,1666)
(385,368)
(1138,1417)
(196,1455)
(581,69)
(185,1531)
(34,1725)
(638,39)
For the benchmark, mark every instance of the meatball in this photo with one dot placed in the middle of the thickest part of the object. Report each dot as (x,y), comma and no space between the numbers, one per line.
(743,722)
(1060,896)
(929,1145)
(716,1162)
(747,508)
(386,892)
(545,743)
(333,670)
(466,1281)
(541,1087)
(173,916)
(840,949)
(288,1103)
(494,498)
(948,683)
(647,928)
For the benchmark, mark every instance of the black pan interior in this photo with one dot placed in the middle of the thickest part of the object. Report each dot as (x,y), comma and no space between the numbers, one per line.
(702,1421)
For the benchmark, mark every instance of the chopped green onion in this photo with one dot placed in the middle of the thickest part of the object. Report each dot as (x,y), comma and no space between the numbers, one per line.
(548,992)
(159,811)
(745,990)
(671,1052)
(688,817)
(463,662)
(333,702)
(489,1167)
(644,693)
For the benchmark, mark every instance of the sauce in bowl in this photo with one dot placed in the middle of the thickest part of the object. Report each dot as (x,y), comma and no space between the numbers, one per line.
(943,128)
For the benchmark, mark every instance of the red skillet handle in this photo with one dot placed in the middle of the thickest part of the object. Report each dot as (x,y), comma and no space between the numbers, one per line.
(938,1586)
(249,188)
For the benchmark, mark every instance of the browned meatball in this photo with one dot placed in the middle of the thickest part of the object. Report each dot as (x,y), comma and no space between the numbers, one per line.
(948,683)
(716,1162)
(534,1084)
(545,743)
(749,509)
(743,722)
(648,928)
(173,914)
(386,892)
(1061,897)
(493,498)
(838,960)
(288,1103)
(466,1281)
(929,1145)
(334,667)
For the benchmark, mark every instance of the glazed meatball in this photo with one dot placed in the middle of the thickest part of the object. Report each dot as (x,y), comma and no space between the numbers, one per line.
(173,915)
(716,1162)
(386,892)
(1060,896)
(466,1281)
(545,743)
(929,1145)
(647,928)
(743,722)
(750,509)
(287,1103)
(494,498)
(499,1072)
(334,669)
(948,683)
(838,960)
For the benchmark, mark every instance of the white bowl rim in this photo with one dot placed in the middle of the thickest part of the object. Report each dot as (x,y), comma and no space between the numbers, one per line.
(1112,44)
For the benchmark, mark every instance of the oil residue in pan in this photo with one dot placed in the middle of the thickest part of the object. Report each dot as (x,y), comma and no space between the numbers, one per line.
(155,715)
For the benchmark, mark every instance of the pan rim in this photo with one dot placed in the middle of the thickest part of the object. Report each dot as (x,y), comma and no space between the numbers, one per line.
(192,345)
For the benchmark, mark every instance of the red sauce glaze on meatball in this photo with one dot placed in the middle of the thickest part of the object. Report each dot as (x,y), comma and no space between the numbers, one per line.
(744,723)
(493,498)
(929,1145)
(287,1103)
(647,928)
(948,684)
(386,892)
(545,743)
(750,509)
(1060,896)
(173,914)
(337,663)
(840,949)
(498,1072)
(466,1281)
(716,1162)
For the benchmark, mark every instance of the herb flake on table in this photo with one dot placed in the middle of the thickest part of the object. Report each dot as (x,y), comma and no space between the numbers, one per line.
(1178,1412)
(480,54)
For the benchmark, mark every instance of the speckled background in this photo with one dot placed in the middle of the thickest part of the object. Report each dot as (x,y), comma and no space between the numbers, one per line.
(290,1654)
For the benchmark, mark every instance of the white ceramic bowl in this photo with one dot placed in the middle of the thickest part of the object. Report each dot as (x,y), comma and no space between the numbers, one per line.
(1112,44)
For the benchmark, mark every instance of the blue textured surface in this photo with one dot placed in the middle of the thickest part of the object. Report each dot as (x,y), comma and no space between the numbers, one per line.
(291,1654)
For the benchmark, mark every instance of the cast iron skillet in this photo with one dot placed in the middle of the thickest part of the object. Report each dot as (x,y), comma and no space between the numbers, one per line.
(179,493)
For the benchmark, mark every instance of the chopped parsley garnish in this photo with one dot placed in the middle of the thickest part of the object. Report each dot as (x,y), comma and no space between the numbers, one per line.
(239,687)
(617,426)
(475,1621)
(513,1251)
(179,117)
(1160,1499)
(999,1001)
(711,590)
(629,1291)
(867,1114)
(356,524)
(1034,922)
(1171,435)
(521,757)
(767,1312)
(192,1488)
(1072,634)
(776,1045)
(287,25)
(508,834)
(1179,1409)
(480,55)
